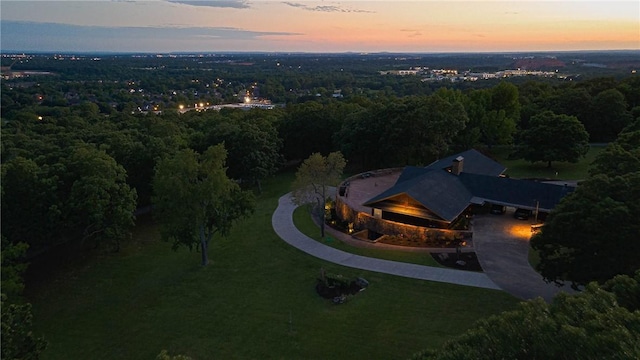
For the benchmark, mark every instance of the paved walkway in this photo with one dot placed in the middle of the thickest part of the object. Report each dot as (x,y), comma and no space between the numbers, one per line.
(282,221)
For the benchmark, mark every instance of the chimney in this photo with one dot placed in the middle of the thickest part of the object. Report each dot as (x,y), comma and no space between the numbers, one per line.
(456,168)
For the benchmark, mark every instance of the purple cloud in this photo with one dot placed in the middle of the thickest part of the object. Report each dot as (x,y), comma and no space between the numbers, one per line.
(326,8)
(32,36)
(236,4)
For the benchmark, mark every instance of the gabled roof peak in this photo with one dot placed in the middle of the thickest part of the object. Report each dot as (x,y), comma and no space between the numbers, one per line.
(474,162)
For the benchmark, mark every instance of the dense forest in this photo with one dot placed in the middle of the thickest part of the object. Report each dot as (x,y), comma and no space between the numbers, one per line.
(80,144)
(79,138)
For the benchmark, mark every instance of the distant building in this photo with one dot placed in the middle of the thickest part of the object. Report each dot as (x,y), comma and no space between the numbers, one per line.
(400,72)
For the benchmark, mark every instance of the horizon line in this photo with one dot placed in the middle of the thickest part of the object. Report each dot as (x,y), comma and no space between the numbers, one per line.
(354,52)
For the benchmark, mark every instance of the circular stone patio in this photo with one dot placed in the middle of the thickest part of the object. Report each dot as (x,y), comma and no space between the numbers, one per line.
(360,189)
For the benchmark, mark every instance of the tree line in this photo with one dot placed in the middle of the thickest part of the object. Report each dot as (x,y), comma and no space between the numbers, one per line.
(79,172)
(590,240)
(73,176)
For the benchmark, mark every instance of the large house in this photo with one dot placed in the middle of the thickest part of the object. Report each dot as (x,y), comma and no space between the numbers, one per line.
(436,196)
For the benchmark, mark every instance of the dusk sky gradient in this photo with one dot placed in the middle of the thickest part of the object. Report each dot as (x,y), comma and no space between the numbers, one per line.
(423,26)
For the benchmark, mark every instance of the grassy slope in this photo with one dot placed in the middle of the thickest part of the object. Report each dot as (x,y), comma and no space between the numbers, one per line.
(255,301)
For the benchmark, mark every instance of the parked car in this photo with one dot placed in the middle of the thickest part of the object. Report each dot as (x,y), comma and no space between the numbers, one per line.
(522,214)
(498,209)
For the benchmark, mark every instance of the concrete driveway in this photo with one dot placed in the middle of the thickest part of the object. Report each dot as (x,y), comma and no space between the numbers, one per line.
(502,247)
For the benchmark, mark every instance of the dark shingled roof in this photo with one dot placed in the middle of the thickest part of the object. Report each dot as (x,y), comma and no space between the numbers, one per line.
(410,172)
(448,195)
(437,190)
(512,192)
(474,162)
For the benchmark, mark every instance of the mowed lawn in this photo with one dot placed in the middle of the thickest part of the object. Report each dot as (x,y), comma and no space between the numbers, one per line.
(559,170)
(256,300)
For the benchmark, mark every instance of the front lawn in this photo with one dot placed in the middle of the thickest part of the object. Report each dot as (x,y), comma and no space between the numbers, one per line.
(256,300)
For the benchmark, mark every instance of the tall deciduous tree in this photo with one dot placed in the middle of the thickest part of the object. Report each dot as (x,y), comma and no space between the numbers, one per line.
(608,115)
(360,136)
(253,146)
(493,114)
(593,233)
(534,98)
(496,128)
(621,156)
(413,130)
(18,339)
(307,128)
(433,123)
(98,204)
(505,97)
(571,100)
(13,266)
(314,177)
(590,325)
(552,137)
(194,199)
(28,197)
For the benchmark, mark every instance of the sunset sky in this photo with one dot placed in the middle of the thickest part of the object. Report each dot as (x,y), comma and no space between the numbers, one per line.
(318,26)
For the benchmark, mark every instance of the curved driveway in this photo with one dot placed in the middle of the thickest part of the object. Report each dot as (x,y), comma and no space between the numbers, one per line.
(501,244)
(502,247)
(282,221)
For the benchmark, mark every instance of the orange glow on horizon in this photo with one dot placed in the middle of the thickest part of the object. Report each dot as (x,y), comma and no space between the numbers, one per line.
(459,26)
(360,26)
(506,37)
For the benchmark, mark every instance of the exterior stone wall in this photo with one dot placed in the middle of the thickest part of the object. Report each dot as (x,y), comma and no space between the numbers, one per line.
(343,211)
(445,237)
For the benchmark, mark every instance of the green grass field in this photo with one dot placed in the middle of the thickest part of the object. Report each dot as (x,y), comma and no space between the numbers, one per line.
(256,300)
(559,170)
